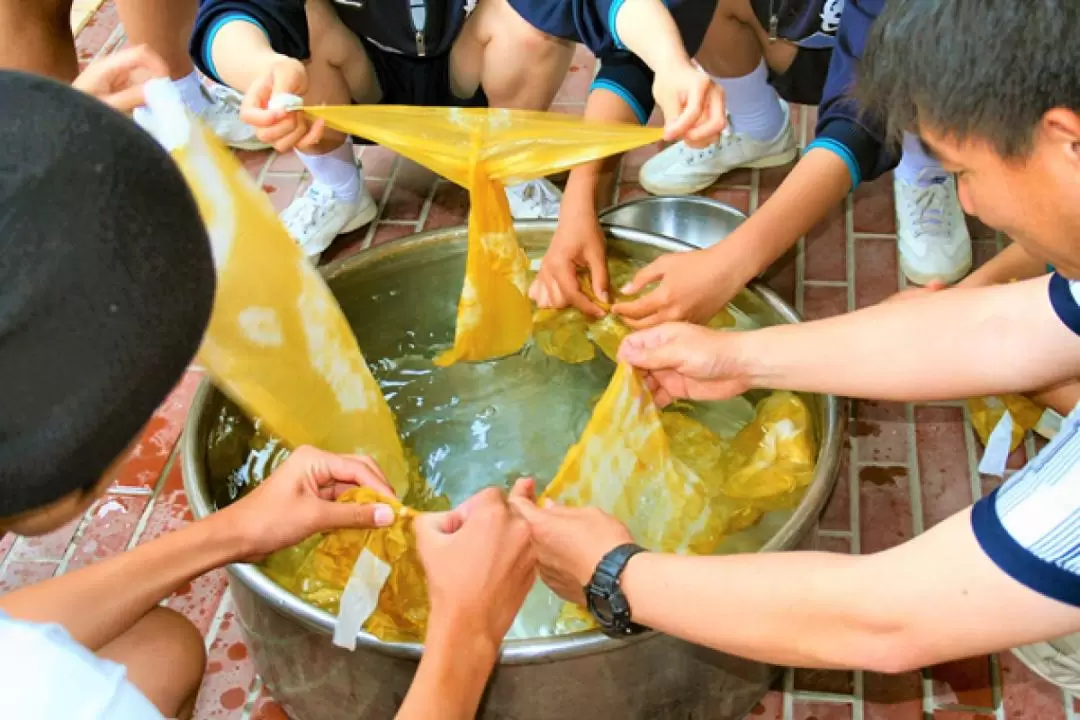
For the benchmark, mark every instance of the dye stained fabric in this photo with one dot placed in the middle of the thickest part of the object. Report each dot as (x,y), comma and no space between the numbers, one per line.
(277,342)
(484,150)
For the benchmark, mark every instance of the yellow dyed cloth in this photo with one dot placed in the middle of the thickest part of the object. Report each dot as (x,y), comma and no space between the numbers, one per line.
(277,343)
(987,412)
(318,571)
(485,150)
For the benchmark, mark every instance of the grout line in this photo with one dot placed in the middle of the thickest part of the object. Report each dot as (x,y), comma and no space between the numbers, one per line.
(788,697)
(425,209)
(403,223)
(914,478)
(224,605)
(755,190)
(69,551)
(800,274)
(129,491)
(874,236)
(822,283)
(849,231)
(140,526)
(843,534)
(369,236)
(858,711)
(822,697)
(973,460)
(252,698)
(928,700)
(110,44)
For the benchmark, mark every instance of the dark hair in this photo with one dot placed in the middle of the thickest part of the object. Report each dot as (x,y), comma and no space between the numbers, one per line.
(986,69)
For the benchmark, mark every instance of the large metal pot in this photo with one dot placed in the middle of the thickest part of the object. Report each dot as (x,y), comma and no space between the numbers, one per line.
(692,219)
(584,675)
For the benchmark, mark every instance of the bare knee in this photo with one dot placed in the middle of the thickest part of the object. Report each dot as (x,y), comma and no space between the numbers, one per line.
(165,657)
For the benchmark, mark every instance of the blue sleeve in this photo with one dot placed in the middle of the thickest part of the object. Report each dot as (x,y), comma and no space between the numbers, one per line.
(1065,299)
(627,75)
(842,128)
(1030,526)
(284,23)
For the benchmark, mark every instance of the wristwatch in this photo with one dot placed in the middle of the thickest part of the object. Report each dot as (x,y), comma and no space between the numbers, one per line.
(604,596)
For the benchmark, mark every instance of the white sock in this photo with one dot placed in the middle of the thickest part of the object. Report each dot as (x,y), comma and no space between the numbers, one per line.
(336,170)
(191,90)
(753,105)
(916,167)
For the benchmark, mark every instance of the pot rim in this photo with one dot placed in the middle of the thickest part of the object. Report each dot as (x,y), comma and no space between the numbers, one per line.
(517,651)
(666,200)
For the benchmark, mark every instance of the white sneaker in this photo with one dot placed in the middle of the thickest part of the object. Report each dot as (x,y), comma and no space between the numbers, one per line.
(534,200)
(682,170)
(222,116)
(930,229)
(318,216)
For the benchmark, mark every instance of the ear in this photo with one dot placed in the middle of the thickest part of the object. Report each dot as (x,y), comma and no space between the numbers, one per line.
(1061,128)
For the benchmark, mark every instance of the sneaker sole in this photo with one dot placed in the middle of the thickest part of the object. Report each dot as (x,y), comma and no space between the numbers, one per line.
(690,188)
(926,278)
(253,146)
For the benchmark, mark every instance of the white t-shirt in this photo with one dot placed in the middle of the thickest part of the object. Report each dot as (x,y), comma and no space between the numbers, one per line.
(46,675)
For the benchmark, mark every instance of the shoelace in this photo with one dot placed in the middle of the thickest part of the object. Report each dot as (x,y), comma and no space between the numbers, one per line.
(695,155)
(535,194)
(312,208)
(928,209)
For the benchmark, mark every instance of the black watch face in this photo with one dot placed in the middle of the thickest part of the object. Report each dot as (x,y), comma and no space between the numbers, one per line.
(601,608)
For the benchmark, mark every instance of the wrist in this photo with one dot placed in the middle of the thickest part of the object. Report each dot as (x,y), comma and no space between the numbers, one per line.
(226,530)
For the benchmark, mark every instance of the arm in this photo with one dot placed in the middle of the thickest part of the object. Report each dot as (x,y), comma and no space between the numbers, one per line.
(935,598)
(444,687)
(235,41)
(1012,263)
(960,343)
(647,29)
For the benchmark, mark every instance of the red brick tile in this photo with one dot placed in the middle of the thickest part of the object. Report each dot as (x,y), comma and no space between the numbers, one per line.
(112,525)
(386,233)
(267,709)
(21,573)
(962,715)
(782,277)
(255,161)
(837,513)
(836,682)
(281,189)
(229,673)
(884,507)
(874,211)
(286,163)
(981,252)
(771,707)
(882,429)
(634,159)
(631,191)
(96,33)
(826,249)
(893,697)
(978,230)
(1026,696)
(989,484)
(875,271)
(735,197)
(449,207)
(943,462)
(46,547)
(742,177)
(198,601)
(378,162)
(822,711)
(143,465)
(964,682)
(412,185)
(822,301)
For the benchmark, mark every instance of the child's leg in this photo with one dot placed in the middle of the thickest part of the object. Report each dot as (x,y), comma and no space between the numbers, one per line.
(1061,398)
(165,658)
(35,36)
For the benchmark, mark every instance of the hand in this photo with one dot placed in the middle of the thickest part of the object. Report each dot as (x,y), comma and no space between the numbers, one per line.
(479,564)
(283,129)
(569,542)
(693,105)
(297,501)
(578,243)
(916,292)
(694,286)
(118,79)
(687,361)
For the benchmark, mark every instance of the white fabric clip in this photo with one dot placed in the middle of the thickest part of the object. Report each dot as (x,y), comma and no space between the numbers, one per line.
(360,597)
(285,101)
(998,448)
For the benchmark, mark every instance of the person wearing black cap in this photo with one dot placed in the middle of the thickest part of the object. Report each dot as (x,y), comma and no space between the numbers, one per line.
(106,287)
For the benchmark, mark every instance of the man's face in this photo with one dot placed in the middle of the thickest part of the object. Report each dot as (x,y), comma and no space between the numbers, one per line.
(1035,200)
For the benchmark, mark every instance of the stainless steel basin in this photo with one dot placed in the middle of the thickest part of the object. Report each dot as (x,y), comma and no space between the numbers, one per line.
(585,675)
(692,219)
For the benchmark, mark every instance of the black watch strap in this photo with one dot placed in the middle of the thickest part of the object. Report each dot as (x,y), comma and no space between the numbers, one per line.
(604,595)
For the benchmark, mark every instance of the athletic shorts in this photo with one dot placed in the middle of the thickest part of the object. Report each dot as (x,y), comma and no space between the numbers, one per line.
(812,26)
(423,82)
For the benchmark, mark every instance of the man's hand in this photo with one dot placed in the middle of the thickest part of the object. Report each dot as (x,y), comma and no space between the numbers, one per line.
(285,130)
(578,243)
(569,542)
(118,79)
(693,105)
(297,501)
(480,566)
(694,286)
(687,361)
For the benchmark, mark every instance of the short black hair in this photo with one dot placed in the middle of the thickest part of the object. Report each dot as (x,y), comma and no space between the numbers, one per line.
(986,69)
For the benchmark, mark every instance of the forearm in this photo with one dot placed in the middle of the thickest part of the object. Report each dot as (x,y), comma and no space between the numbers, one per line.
(647,29)
(241,54)
(97,603)
(590,186)
(1012,263)
(452,675)
(819,182)
(953,344)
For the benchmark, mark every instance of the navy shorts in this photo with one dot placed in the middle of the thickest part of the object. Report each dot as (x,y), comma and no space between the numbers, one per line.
(423,82)
(812,27)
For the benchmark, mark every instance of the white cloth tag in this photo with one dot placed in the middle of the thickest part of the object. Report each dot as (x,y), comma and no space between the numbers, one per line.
(285,101)
(360,597)
(998,448)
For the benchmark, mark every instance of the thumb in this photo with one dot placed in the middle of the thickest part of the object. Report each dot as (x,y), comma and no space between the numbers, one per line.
(598,274)
(653,349)
(337,515)
(443,523)
(650,273)
(524,488)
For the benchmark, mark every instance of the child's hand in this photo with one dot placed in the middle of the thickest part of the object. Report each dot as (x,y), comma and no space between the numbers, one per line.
(578,243)
(693,105)
(118,79)
(285,130)
(297,501)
